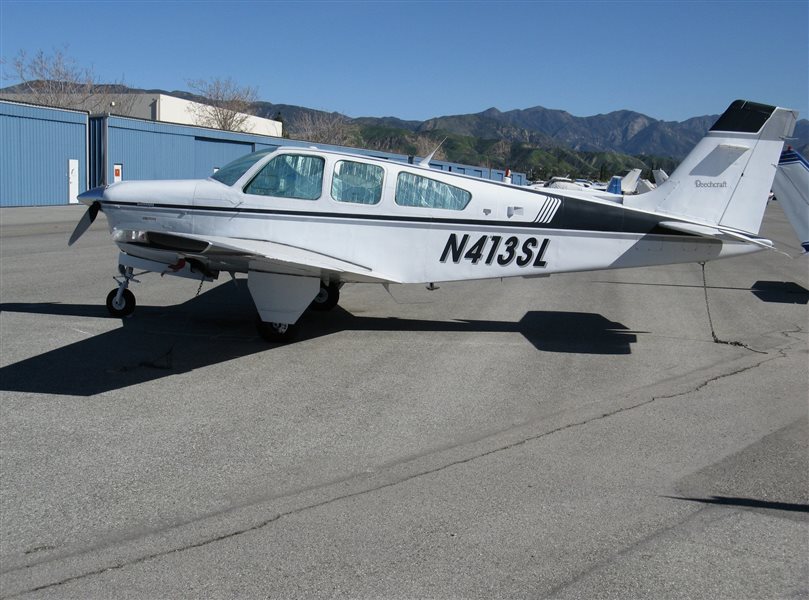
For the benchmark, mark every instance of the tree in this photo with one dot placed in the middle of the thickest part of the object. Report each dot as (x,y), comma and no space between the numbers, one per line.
(224,105)
(56,80)
(323,127)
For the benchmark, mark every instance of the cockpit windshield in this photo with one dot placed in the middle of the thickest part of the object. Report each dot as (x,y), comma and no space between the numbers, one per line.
(230,173)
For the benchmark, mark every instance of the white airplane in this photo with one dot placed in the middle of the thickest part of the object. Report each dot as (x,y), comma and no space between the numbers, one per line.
(302,222)
(659,176)
(791,187)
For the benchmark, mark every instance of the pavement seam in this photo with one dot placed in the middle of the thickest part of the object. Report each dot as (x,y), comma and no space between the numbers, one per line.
(781,353)
(709,513)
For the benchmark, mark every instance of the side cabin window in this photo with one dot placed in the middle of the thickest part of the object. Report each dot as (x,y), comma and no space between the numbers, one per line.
(415,190)
(289,176)
(357,182)
(231,172)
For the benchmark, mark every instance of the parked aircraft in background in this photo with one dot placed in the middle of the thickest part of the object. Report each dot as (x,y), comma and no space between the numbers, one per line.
(659,176)
(791,188)
(302,222)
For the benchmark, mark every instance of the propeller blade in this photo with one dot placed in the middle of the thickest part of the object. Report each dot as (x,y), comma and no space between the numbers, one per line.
(85,222)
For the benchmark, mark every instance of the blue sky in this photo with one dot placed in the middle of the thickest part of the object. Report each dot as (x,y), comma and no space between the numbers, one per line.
(416,60)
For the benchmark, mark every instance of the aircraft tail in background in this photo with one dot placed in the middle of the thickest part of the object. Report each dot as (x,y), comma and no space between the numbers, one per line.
(615,185)
(791,188)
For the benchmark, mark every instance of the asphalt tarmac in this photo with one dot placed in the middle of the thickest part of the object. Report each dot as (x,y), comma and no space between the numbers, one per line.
(580,436)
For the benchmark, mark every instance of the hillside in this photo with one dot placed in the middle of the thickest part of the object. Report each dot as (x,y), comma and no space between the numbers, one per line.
(538,141)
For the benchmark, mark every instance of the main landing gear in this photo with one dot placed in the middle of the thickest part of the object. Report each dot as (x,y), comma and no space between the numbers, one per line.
(120,301)
(278,333)
(277,297)
(327,298)
(281,333)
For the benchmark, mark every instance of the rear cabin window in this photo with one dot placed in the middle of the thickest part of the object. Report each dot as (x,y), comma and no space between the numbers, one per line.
(357,182)
(415,190)
(289,176)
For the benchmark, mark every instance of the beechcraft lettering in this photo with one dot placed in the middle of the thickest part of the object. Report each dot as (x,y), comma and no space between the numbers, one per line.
(303,222)
(528,251)
(710,184)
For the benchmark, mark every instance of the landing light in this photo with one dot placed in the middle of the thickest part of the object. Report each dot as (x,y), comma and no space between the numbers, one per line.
(130,236)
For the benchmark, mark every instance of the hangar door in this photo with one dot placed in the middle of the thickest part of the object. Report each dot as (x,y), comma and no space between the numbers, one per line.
(210,154)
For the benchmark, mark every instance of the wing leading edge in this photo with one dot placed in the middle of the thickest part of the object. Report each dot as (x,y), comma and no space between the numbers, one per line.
(253,255)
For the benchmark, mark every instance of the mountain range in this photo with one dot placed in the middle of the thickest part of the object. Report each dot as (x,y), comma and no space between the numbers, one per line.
(632,139)
(539,141)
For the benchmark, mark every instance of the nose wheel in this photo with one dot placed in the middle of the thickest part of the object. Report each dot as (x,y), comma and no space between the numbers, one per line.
(120,301)
(121,305)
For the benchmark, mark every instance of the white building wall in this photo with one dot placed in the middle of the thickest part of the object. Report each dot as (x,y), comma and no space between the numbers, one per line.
(176,110)
(169,109)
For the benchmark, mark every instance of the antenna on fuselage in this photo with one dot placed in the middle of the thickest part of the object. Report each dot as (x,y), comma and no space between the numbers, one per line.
(425,162)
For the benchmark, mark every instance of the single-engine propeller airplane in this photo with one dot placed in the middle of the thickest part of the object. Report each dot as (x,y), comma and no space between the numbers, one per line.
(301,222)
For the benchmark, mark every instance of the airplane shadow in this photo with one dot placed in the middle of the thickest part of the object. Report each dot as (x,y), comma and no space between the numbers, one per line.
(782,292)
(218,326)
(747,503)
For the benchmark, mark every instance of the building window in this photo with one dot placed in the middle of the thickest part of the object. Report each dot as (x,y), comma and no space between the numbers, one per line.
(357,182)
(415,190)
(289,176)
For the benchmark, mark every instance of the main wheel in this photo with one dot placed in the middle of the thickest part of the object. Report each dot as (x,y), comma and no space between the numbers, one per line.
(327,298)
(276,332)
(123,307)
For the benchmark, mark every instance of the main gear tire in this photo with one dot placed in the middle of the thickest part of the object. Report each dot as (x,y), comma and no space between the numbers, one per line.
(327,298)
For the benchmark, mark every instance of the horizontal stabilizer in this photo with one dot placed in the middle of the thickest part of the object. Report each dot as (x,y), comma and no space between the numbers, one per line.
(718,233)
(692,228)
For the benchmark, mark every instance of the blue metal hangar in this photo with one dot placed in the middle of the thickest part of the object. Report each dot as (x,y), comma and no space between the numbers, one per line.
(48,156)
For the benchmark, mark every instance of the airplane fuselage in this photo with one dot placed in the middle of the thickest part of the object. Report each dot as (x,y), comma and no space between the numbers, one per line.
(503,231)
(301,222)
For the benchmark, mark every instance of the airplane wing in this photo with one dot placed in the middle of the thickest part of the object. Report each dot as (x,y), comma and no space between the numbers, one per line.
(262,255)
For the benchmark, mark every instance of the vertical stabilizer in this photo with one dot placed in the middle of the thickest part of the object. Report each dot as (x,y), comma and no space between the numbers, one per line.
(615,185)
(791,187)
(659,176)
(726,179)
(629,183)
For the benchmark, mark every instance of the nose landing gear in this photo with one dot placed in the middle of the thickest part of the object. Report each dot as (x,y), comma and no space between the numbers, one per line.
(121,301)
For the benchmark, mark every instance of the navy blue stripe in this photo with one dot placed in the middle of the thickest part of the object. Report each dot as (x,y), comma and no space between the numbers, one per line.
(573,214)
(790,156)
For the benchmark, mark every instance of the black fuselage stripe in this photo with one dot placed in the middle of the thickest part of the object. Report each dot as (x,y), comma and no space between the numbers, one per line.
(606,225)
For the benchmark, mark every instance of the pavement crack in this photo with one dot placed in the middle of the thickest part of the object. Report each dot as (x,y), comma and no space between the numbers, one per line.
(781,354)
(396,480)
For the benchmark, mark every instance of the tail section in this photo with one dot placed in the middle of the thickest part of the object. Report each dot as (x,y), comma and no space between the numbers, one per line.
(615,185)
(791,187)
(659,176)
(629,183)
(726,179)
